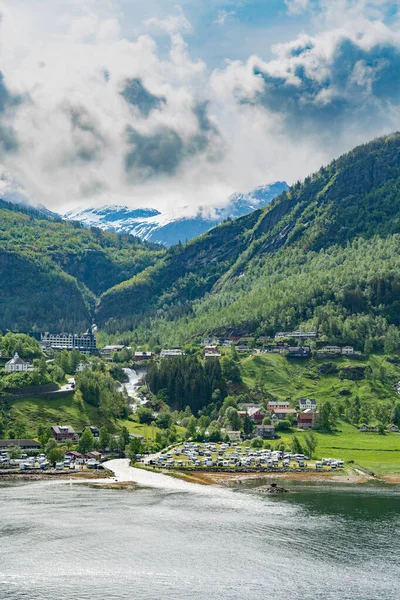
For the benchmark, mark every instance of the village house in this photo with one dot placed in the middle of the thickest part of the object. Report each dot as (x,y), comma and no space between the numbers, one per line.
(296,334)
(330,350)
(245,406)
(171,352)
(301,352)
(281,405)
(211,352)
(305,419)
(283,413)
(278,348)
(243,347)
(363,427)
(234,436)
(17,365)
(23,444)
(108,351)
(64,432)
(393,428)
(94,430)
(306,403)
(265,431)
(256,414)
(347,350)
(139,356)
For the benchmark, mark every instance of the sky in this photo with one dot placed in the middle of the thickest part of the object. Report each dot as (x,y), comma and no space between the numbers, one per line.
(163,105)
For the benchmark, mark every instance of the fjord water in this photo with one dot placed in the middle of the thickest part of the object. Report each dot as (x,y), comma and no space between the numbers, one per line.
(177,541)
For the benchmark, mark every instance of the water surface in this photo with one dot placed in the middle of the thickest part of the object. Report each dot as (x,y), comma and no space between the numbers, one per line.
(176,541)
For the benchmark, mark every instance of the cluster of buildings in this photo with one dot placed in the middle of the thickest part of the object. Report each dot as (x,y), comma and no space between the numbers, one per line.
(305,416)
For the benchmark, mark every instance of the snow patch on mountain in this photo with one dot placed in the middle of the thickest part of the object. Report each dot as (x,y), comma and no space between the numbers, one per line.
(177,225)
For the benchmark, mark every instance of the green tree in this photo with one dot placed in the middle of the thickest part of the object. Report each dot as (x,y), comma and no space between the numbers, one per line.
(104,438)
(135,447)
(296,446)
(51,443)
(85,443)
(43,434)
(310,443)
(20,428)
(191,428)
(232,418)
(55,455)
(248,425)
(257,442)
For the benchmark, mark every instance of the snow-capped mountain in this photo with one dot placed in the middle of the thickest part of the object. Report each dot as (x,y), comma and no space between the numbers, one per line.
(171,227)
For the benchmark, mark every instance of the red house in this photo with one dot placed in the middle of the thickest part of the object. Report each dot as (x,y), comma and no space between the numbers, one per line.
(305,420)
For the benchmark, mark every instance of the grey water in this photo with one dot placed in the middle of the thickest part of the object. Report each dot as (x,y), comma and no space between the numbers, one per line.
(170,540)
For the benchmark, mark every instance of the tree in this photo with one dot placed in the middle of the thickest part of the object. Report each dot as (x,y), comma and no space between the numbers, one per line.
(55,455)
(14,452)
(145,415)
(283,425)
(135,447)
(296,446)
(396,414)
(232,418)
(191,428)
(227,403)
(19,428)
(310,443)
(326,417)
(257,442)
(104,438)
(51,443)
(266,421)
(230,370)
(164,420)
(85,443)
(392,340)
(248,425)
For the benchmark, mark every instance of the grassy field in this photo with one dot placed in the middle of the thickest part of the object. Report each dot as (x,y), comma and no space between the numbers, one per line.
(297,379)
(60,411)
(379,453)
(148,431)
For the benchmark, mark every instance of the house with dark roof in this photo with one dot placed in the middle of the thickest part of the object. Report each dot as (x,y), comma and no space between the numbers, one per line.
(61,433)
(23,444)
(265,431)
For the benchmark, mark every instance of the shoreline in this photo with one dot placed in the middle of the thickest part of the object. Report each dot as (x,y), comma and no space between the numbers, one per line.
(230,479)
(37,476)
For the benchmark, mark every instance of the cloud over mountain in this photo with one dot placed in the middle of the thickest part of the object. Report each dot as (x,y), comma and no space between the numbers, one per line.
(91,115)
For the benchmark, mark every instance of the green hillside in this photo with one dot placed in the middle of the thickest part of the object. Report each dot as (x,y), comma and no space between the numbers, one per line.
(324,255)
(51,271)
(321,379)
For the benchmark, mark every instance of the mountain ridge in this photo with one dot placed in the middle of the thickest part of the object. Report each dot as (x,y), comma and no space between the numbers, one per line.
(177,225)
(265,272)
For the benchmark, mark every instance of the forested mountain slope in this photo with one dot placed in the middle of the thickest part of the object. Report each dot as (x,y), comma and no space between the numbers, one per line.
(51,271)
(324,254)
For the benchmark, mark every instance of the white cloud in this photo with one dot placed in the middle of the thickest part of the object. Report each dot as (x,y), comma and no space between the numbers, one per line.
(103,119)
(222,16)
(296,7)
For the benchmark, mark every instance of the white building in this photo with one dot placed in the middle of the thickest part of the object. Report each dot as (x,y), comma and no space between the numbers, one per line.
(171,352)
(347,350)
(16,364)
(331,349)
